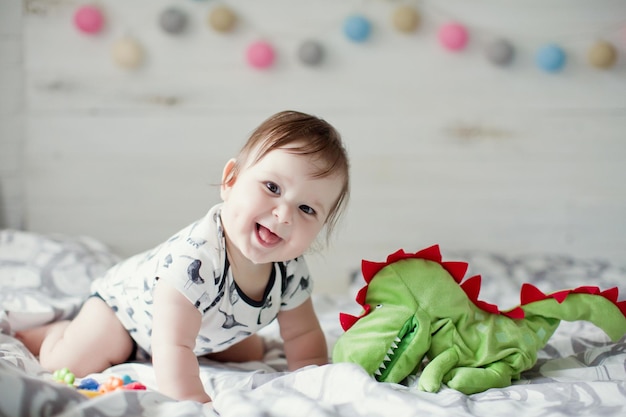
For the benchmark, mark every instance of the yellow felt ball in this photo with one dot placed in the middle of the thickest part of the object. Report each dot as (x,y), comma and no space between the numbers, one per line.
(602,55)
(406,19)
(127,53)
(222,19)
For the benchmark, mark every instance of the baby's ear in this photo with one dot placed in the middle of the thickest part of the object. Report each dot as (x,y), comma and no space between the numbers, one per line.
(228,178)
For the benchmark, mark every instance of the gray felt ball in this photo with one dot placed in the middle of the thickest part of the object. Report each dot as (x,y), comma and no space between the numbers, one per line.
(173,21)
(499,52)
(311,53)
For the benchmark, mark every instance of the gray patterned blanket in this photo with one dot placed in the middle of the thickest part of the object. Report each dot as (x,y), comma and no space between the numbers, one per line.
(43,278)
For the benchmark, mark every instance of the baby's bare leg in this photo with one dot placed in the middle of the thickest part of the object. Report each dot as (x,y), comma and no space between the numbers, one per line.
(250,349)
(33,337)
(92,342)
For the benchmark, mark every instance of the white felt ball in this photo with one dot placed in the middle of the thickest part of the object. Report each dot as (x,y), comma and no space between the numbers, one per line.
(127,53)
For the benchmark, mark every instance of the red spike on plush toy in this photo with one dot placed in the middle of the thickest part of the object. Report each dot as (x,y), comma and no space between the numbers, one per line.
(488,307)
(471,286)
(587,290)
(560,296)
(347,320)
(530,294)
(360,296)
(456,269)
(516,313)
(397,256)
(369,269)
(611,294)
(432,253)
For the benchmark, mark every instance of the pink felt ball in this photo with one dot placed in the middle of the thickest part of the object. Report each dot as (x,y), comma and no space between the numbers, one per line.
(453,36)
(260,54)
(88,19)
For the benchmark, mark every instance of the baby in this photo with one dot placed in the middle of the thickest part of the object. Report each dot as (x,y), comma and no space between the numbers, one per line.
(210,287)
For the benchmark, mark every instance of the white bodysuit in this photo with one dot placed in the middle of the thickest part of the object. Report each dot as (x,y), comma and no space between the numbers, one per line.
(194,261)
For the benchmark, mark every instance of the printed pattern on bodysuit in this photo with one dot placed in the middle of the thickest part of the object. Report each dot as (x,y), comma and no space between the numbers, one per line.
(194,261)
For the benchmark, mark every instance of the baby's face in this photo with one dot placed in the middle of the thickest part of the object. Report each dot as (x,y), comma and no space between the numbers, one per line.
(275,209)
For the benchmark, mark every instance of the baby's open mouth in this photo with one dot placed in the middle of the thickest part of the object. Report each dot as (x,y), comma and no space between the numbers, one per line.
(266,236)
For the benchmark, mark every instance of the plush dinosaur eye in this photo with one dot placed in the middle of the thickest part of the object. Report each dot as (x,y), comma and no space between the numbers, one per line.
(379,305)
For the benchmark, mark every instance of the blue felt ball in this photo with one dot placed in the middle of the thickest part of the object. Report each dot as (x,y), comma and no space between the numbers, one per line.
(357,28)
(550,58)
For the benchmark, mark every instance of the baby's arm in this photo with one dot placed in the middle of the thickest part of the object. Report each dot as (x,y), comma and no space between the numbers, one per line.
(303,337)
(176,324)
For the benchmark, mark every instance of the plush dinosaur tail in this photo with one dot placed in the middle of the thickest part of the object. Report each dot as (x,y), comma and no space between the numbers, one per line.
(584,303)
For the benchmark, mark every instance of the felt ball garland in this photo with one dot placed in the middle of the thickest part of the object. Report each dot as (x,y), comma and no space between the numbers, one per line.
(453,36)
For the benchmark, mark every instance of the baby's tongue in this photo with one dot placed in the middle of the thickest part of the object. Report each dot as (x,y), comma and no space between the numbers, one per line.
(267,236)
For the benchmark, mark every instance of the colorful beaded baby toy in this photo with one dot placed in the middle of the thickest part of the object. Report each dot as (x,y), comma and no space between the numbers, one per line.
(92,388)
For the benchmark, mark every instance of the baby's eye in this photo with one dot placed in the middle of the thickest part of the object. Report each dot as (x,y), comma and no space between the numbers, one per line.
(272,187)
(306,209)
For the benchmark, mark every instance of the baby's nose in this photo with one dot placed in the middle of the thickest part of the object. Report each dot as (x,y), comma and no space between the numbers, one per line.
(283,213)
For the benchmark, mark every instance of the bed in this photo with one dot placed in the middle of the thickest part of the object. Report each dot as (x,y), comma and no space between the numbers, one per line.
(47,277)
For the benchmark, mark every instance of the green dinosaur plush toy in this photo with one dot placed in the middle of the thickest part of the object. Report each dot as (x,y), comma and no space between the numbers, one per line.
(415,306)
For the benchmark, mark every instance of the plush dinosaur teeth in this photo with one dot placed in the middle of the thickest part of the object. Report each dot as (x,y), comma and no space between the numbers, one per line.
(387,359)
(394,344)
